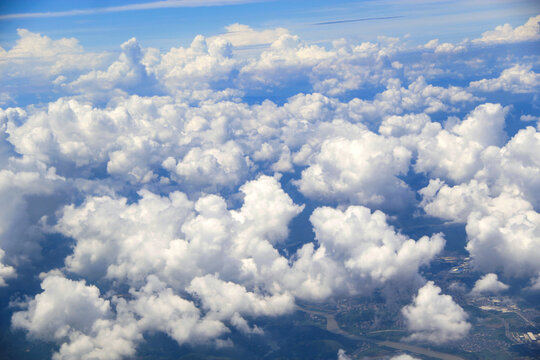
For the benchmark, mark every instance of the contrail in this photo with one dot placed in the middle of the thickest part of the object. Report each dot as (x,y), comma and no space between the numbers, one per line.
(358,20)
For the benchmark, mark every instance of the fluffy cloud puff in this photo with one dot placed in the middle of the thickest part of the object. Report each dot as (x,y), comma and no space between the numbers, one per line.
(25,183)
(444,47)
(498,206)
(341,355)
(86,326)
(454,152)
(369,247)
(500,169)
(166,246)
(502,231)
(240,35)
(435,317)
(126,74)
(505,237)
(195,264)
(529,31)
(517,79)
(180,239)
(6,271)
(42,59)
(403,357)
(63,308)
(488,283)
(514,164)
(362,170)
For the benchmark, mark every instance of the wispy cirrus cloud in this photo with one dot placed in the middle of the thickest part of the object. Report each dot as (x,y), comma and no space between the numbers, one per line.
(358,20)
(132,7)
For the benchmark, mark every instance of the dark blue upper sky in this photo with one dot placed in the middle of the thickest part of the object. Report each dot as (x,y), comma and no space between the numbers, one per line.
(172,23)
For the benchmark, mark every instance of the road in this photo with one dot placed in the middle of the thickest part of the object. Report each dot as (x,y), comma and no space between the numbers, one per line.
(333,327)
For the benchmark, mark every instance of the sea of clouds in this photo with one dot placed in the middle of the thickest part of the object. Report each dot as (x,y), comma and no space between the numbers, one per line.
(173,178)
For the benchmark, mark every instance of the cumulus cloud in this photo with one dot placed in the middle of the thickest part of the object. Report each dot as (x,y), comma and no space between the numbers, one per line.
(506,237)
(444,47)
(163,246)
(435,317)
(126,74)
(369,247)
(164,156)
(454,152)
(25,183)
(37,66)
(535,284)
(63,308)
(488,283)
(517,79)
(341,355)
(205,62)
(363,170)
(454,203)
(403,357)
(42,55)
(88,328)
(6,271)
(418,96)
(502,231)
(529,31)
(226,300)
(514,164)
(240,35)
(181,239)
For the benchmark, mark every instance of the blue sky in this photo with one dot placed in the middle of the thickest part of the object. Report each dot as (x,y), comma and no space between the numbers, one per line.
(103,24)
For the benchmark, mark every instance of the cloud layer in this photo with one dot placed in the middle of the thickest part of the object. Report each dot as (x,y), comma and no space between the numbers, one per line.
(177,177)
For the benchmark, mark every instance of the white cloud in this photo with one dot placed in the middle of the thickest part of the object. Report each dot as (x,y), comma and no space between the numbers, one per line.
(41,59)
(25,183)
(517,79)
(362,170)
(205,61)
(444,47)
(454,203)
(162,246)
(529,118)
(535,283)
(225,300)
(529,31)
(403,357)
(200,253)
(341,355)
(454,153)
(6,271)
(159,308)
(488,283)
(514,164)
(240,35)
(506,237)
(212,168)
(367,245)
(74,314)
(435,317)
(63,308)
(502,230)
(126,74)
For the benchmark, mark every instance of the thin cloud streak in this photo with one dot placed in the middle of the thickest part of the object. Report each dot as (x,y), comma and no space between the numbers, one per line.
(132,7)
(358,20)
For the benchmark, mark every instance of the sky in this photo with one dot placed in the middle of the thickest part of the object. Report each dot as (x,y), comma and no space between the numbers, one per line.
(191,168)
(103,24)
